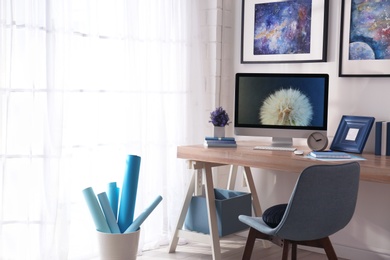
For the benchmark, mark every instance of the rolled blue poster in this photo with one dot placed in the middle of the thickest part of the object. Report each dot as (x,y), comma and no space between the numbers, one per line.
(129,192)
(141,218)
(96,211)
(110,218)
(113,197)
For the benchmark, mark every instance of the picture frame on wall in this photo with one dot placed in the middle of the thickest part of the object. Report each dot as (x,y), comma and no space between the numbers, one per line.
(364,39)
(275,31)
(352,133)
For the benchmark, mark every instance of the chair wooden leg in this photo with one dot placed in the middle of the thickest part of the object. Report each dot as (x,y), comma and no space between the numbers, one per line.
(327,245)
(321,243)
(294,251)
(286,248)
(250,242)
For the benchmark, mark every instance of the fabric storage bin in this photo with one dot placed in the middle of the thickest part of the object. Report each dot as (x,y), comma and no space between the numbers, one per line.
(229,205)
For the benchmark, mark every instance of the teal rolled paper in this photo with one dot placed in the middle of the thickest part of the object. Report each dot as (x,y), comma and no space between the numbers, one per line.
(113,197)
(108,213)
(129,192)
(143,216)
(95,210)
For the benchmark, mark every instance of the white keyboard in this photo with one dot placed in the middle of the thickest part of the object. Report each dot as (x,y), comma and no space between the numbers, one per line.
(274,148)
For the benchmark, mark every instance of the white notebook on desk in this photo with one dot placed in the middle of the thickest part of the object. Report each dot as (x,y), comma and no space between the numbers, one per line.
(330,155)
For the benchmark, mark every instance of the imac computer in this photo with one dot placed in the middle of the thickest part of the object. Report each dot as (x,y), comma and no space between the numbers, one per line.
(281,106)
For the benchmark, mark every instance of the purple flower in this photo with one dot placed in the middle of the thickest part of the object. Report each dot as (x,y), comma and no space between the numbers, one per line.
(219,117)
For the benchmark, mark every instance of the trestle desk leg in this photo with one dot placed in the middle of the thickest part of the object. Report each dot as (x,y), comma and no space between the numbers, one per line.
(252,190)
(255,198)
(183,213)
(211,212)
(232,177)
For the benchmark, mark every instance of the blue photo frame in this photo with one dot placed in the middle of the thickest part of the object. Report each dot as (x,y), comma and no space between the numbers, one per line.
(352,133)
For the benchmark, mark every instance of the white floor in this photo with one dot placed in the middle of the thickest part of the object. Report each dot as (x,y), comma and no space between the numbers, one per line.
(232,248)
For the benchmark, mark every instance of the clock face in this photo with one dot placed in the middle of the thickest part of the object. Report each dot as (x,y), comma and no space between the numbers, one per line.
(317,141)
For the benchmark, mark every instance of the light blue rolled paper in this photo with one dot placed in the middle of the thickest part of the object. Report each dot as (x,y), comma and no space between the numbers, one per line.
(129,192)
(110,218)
(113,197)
(141,218)
(96,211)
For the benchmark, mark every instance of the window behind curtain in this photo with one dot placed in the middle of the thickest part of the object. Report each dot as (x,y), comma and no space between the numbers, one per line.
(82,85)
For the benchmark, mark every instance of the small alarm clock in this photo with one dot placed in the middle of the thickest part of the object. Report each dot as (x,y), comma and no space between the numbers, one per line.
(317,141)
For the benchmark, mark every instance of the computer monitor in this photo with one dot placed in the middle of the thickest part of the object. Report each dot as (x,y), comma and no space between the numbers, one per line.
(281,106)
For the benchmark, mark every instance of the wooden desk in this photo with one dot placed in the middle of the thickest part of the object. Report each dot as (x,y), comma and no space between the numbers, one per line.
(373,169)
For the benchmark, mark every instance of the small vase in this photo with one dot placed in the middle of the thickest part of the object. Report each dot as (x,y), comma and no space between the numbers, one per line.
(219,131)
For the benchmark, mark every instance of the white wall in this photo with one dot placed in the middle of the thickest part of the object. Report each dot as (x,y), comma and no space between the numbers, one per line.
(368,234)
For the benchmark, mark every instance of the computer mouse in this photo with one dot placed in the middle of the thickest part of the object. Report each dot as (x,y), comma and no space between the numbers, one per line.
(298,152)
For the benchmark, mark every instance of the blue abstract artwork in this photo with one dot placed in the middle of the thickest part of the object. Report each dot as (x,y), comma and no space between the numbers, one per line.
(282,27)
(369,30)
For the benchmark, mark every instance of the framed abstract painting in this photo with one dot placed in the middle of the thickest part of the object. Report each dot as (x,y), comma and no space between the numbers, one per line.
(365,39)
(276,31)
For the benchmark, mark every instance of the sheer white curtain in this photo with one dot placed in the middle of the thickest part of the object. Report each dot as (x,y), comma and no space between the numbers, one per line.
(83,83)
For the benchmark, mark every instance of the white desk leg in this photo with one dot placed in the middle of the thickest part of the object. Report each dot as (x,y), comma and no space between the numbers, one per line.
(211,210)
(183,213)
(198,182)
(232,177)
(252,190)
(255,198)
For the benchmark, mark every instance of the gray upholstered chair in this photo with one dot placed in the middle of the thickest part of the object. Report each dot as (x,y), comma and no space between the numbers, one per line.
(322,202)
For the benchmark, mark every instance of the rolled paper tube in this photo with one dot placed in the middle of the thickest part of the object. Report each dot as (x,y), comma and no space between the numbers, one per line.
(141,218)
(117,202)
(96,211)
(110,218)
(129,192)
(113,197)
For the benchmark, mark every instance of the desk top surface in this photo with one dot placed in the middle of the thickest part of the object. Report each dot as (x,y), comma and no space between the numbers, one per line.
(374,168)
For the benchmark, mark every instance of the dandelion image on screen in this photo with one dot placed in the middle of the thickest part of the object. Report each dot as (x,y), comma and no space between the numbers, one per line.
(286,107)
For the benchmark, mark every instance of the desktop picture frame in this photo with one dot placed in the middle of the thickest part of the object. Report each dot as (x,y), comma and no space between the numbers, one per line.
(282,38)
(362,48)
(352,133)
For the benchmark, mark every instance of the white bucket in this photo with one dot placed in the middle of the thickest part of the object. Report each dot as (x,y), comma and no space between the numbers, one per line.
(118,246)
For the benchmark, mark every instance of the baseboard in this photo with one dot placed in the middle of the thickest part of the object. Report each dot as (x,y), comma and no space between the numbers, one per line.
(347,252)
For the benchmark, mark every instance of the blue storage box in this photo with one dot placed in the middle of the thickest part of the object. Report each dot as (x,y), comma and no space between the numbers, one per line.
(229,205)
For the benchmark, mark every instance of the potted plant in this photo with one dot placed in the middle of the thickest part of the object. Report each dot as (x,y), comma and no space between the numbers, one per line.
(219,118)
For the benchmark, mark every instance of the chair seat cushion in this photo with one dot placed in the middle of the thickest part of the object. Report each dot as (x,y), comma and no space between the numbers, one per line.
(273,215)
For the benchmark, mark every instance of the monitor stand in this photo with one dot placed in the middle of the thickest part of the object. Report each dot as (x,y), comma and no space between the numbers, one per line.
(282,142)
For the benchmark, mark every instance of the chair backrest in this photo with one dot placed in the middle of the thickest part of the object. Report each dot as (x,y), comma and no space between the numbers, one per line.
(322,203)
